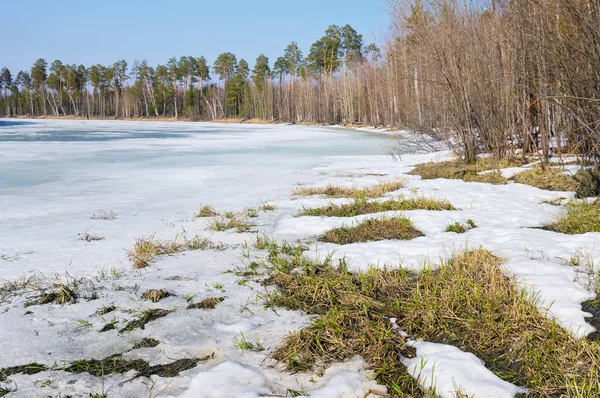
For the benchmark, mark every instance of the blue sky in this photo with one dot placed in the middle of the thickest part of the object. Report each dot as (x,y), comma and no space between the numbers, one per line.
(104,31)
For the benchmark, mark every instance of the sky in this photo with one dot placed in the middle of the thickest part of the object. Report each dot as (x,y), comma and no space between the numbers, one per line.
(104,31)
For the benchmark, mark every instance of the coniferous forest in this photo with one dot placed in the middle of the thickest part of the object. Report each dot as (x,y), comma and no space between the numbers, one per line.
(504,77)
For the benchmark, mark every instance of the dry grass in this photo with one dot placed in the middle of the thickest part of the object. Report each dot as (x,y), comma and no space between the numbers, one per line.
(146,250)
(399,228)
(458,169)
(207,304)
(580,218)
(334,191)
(155,295)
(206,211)
(362,206)
(467,302)
(59,294)
(103,215)
(146,317)
(550,179)
(239,222)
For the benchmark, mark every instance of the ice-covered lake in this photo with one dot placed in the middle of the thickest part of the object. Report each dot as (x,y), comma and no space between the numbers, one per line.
(54,175)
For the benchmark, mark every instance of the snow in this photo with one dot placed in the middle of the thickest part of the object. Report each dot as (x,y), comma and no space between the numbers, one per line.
(449,371)
(54,175)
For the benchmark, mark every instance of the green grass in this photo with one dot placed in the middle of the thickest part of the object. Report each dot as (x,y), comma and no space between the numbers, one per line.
(467,302)
(461,228)
(580,218)
(244,344)
(333,191)
(362,206)
(469,172)
(549,178)
(399,228)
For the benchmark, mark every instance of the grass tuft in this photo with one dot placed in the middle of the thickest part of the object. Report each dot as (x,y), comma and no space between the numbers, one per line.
(239,222)
(207,304)
(103,215)
(333,191)
(362,206)
(61,294)
(206,211)
(461,228)
(145,250)
(145,318)
(146,342)
(244,344)
(155,295)
(549,178)
(458,169)
(400,228)
(580,218)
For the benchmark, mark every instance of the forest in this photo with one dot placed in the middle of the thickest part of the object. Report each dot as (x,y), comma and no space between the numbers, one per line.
(507,77)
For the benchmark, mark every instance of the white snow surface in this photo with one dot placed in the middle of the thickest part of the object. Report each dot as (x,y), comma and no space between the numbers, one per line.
(451,372)
(54,175)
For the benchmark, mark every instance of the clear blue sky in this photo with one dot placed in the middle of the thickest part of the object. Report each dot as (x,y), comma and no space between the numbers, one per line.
(104,31)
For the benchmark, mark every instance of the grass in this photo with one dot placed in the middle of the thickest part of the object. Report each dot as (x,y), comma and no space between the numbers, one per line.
(146,342)
(115,364)
(206,211)
(549,178)
(266,207)
(467,302)
(333,191)
(208,303)
(244,344)
(146,250)
(469,172)
(145,318)
(461,228)
(239,222)
(362,206)
(580,218)
(61,294)
(400,228)
(155,295)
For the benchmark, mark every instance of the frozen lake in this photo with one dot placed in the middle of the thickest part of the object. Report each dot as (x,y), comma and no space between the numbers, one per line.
(54,175)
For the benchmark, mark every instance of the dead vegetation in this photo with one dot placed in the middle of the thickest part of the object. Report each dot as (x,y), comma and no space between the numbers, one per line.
(90,238)
(146,250)
(237,221)
(548,178)
(469,172)
(59,294)
(207,304)
(145,318)
(155,295)
(333,191)
(206,211)
(362,206)
(467,302)
(399,228)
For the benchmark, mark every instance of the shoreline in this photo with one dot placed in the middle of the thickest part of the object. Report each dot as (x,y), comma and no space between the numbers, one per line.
(256,121)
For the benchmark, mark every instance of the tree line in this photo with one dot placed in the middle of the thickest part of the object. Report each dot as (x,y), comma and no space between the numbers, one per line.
(505,77)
